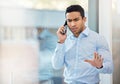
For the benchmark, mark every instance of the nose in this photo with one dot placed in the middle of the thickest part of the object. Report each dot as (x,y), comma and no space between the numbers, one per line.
(72,23)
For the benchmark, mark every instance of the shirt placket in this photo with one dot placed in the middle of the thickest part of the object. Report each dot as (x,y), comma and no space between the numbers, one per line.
(76,57)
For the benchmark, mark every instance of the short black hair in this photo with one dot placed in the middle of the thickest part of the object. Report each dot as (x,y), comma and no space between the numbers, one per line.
(76,8)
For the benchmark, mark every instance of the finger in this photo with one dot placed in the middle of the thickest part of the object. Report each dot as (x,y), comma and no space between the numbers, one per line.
(95,55)
(88,61)
(100,58)
(60,31)
(60,28)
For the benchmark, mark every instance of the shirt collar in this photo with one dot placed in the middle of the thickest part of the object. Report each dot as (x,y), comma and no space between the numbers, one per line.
(86,31)
(83,34)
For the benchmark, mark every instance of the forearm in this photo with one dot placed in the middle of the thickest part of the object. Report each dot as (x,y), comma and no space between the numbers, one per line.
(104,51)
(58,57)
(107,68)
(107,64)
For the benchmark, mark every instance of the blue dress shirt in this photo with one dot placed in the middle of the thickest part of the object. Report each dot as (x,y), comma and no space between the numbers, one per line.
(72,53)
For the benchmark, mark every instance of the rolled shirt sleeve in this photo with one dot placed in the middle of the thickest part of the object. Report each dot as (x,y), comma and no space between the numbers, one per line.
(104,51)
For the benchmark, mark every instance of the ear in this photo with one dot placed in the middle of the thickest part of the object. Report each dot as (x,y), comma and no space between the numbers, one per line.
(84,19)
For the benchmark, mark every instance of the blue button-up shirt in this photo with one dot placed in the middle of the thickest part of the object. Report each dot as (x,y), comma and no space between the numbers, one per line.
(72,53)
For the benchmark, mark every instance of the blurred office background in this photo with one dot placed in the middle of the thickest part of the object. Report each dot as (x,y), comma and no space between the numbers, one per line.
(28,38)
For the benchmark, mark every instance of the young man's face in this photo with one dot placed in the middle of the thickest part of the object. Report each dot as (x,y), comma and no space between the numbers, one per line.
(75,22)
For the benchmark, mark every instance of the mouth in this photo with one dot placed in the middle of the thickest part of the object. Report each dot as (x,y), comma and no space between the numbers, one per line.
(74,29)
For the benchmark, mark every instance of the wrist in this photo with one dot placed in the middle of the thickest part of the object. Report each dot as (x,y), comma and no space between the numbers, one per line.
(60,41)
(99,67)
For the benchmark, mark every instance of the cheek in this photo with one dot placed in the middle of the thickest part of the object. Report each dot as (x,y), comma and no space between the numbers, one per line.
(80,22)
(80,25)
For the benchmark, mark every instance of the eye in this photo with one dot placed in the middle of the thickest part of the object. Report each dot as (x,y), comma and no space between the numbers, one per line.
(69,20)
(76,19)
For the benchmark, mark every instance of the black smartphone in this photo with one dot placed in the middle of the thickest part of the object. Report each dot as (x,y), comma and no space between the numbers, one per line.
(65,28)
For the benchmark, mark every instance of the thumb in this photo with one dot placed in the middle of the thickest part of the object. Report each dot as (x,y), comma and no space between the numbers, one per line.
(88,61)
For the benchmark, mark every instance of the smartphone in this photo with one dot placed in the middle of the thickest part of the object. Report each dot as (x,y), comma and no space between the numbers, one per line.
(65,28)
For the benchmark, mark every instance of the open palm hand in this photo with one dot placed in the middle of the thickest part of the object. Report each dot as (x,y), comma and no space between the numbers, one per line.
(97,61)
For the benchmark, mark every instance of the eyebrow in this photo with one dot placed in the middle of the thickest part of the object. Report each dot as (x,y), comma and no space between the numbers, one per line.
(74,18)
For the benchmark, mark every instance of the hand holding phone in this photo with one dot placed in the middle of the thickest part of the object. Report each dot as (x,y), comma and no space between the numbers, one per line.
(65,28)
(61,33)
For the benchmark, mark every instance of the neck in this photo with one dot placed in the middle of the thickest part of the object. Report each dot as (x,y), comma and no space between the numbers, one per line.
(77,34)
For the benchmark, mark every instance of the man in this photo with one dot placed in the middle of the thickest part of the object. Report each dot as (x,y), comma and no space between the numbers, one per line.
(84,54)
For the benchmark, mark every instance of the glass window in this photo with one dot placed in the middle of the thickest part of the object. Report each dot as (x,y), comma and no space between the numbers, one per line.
(28,39)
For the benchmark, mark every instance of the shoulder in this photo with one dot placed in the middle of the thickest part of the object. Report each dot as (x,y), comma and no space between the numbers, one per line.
(99,40)
(96,37)
(93,35)
(91,32)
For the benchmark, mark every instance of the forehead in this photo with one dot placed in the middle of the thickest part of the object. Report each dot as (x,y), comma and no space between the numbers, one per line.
(72,15)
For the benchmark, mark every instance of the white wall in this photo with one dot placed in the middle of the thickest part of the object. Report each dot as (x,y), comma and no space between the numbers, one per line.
(105,28)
